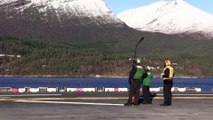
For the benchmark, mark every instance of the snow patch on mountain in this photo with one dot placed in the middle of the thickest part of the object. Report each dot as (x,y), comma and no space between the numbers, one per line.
(70,8)
(7,1)
(170,17)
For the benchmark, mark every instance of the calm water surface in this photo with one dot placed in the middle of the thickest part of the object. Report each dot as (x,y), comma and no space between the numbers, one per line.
(205,84)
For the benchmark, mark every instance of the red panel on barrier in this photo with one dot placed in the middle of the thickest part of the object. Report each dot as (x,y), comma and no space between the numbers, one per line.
(79,89)
(14,90)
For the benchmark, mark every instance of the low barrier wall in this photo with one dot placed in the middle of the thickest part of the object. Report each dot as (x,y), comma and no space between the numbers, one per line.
(53,90)
(80,89)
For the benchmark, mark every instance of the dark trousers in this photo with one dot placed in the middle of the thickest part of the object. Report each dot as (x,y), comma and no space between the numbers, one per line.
(167,91)
(146,94)
(134,90)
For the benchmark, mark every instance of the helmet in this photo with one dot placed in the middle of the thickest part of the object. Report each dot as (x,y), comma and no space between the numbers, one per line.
(137,61)
(148,68)
(168,63)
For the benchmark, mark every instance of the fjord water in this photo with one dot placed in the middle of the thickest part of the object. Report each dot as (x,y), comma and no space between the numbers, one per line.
(206,84)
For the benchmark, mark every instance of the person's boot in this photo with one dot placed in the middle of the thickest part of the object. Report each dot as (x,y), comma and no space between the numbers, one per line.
(127,104)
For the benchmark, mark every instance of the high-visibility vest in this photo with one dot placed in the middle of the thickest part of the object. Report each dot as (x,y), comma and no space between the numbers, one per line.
(171,73)
(148,80)
(139,72)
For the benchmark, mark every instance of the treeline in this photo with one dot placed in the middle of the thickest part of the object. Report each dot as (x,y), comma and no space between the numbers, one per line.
(60,59)
(68,62)
(40,59)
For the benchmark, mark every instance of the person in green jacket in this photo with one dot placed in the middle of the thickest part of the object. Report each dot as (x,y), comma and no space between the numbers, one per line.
(146,86)
(135,79)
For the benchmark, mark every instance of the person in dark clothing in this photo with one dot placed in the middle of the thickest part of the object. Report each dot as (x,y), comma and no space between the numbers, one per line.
(146,86)
(167,76)
(135,78)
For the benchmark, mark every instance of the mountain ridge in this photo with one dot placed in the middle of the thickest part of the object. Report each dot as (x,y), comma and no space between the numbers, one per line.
(169,17)
(78,22)
(83,45)
(70,8)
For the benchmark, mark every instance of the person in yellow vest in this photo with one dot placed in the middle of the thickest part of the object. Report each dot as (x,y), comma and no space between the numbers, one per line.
(167,76)
(135,79)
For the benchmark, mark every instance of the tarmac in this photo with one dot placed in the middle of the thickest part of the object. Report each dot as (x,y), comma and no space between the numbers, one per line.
(102,106)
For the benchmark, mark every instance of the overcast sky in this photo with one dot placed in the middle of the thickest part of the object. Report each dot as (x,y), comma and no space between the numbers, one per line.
(118,6)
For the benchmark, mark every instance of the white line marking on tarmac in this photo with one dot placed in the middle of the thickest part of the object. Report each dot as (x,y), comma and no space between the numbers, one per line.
(28,95)
(63,102)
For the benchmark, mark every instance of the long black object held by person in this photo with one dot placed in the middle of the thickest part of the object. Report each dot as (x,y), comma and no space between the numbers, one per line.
(142,38)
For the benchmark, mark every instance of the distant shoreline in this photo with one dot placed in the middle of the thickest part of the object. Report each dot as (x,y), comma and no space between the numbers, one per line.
(66,76)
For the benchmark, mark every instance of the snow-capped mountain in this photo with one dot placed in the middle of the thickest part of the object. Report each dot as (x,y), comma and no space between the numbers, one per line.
(61,8)
(170,17)
(76,21)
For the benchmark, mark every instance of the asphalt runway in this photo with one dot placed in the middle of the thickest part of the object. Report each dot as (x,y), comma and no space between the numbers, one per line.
(102,106)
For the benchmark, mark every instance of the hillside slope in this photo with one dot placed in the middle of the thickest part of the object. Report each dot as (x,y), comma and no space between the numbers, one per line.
(170,17)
